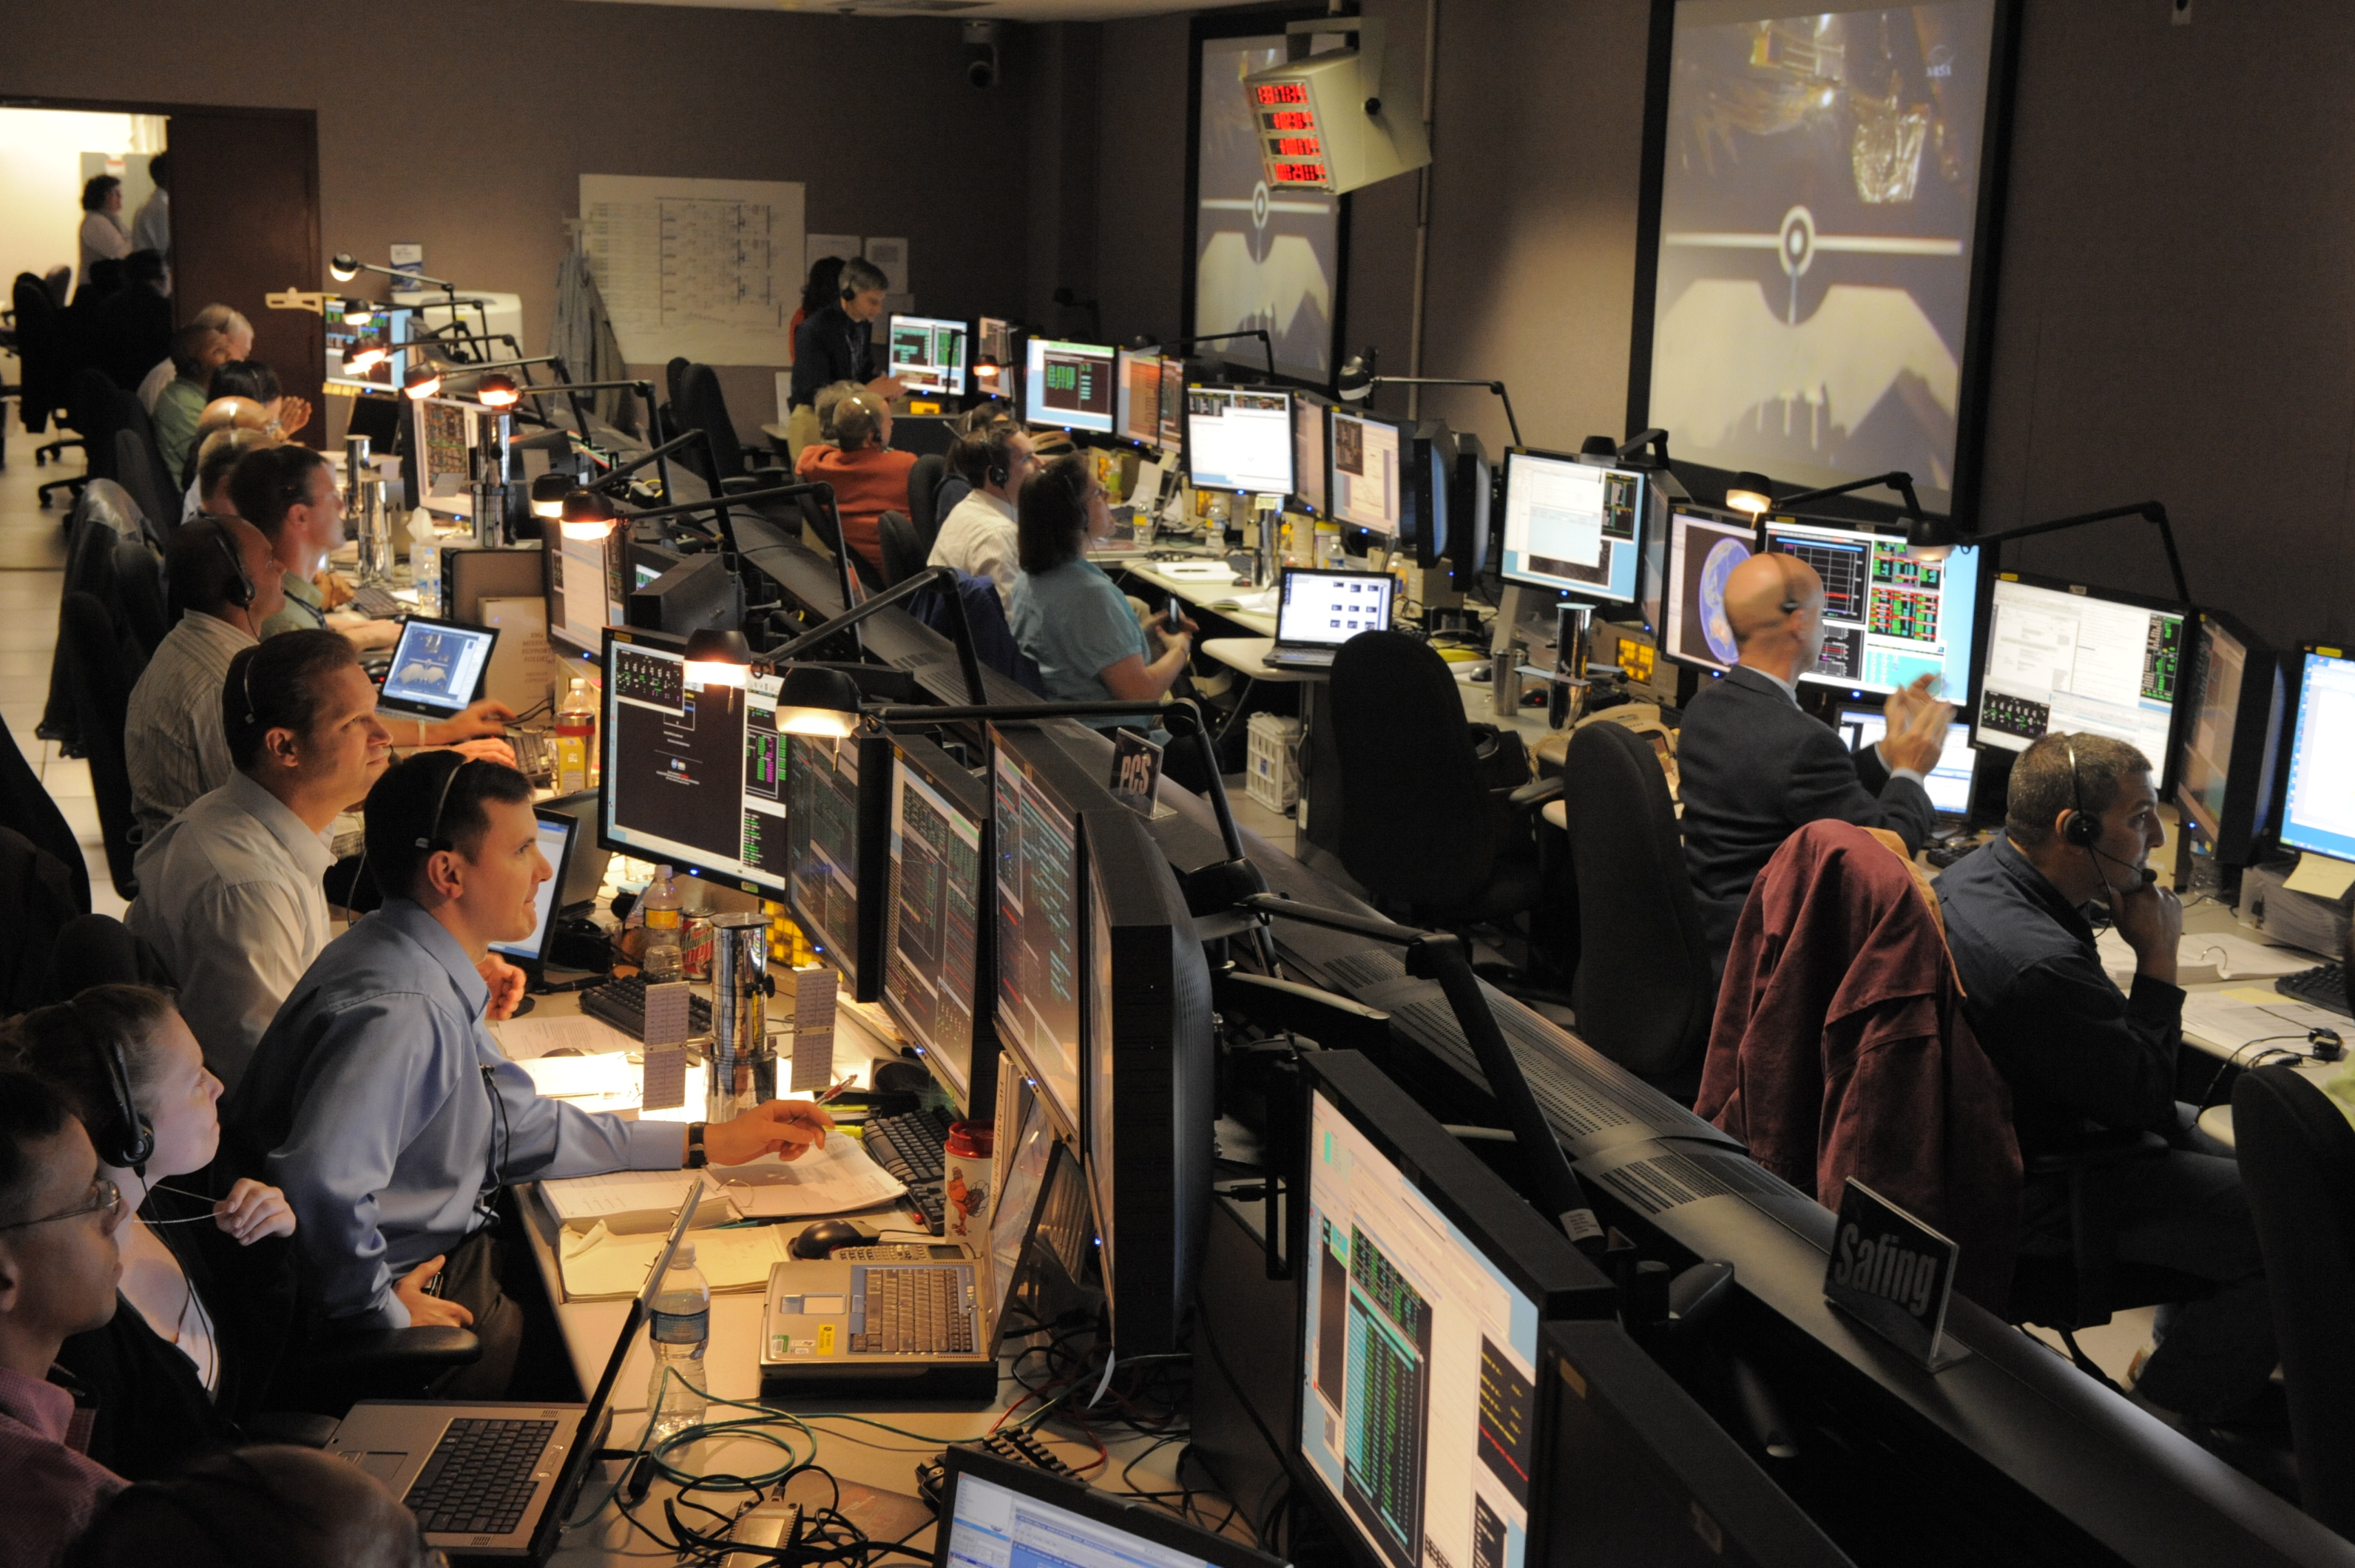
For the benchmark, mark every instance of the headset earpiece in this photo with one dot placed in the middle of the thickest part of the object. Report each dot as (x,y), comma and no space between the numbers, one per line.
(239,590)
(127,1139)
(2081,829)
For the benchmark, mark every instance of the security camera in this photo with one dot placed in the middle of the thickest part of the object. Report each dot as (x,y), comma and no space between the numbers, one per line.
(981,49)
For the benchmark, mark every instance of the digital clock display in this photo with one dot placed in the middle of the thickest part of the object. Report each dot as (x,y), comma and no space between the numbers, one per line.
(1296,174)
(1282,92)
(1299,147)
(1291,119)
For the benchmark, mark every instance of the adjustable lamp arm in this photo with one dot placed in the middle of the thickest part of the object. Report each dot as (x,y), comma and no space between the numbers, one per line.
(944,578)
(2152,511)
(1897,480)
(1267,344)
(1495,387)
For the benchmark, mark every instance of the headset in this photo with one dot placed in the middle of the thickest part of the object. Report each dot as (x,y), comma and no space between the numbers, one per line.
(245,681)
(1000,441)
(123,1137)
(239,589)
(2083,828)
(432,840)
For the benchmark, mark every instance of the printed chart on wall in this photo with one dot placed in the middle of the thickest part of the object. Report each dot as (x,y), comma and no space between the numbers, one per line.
(1260,260)
(707,269)
(1818,203)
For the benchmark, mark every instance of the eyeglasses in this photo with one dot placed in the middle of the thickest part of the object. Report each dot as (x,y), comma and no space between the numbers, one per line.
(105,1198)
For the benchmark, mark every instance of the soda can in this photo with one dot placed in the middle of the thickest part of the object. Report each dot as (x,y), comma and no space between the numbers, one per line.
(695,946)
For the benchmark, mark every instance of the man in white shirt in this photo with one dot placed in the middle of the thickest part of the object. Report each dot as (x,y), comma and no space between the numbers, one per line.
(222,570)
(230,891)
(978,537)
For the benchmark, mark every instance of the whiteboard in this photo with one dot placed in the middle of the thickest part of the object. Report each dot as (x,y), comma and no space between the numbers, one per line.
(707,269)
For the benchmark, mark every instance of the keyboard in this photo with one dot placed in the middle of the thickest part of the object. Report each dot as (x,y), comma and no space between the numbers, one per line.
(623,1004)
(479,1481)
(915,1312)
(2324,985)
(378,605)
(909,1146)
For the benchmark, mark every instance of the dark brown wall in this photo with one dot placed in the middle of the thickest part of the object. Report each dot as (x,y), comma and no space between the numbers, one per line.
(2175,318)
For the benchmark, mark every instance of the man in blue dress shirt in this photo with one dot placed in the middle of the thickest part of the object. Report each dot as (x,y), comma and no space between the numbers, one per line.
(381,1103)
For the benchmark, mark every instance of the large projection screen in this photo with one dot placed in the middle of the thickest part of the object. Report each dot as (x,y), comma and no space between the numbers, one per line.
(1826,198)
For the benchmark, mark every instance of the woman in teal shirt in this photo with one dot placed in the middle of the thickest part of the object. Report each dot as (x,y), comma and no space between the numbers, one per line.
(1072,619)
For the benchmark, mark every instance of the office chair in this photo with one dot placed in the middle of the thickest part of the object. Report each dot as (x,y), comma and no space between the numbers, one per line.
(1419,828)
(37,902)
(29,809)
(139,470)
(41,352)
(923,494)
(139,583)
(903,552)
(984,617)
(696,403)
(101,676)
(820,524)
(102,518)
(2297,1168)
(1644,987)
(99,950)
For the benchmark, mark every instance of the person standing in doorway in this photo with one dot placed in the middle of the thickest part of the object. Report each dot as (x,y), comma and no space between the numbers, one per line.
(103,237)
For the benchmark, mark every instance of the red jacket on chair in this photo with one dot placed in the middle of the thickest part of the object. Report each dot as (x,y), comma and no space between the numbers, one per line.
(1839,1048)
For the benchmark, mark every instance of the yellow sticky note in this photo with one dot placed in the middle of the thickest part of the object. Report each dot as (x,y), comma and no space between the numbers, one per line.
(2321,876)
(825,1338)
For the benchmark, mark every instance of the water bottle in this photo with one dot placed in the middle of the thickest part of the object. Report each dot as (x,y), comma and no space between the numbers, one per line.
(679,1328)
(576,738)
(425,561)
(661,960)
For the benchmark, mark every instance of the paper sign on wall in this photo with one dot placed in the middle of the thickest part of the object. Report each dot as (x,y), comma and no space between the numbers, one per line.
(707,269)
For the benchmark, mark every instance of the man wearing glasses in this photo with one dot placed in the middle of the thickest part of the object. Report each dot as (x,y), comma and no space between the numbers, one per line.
(59,1267)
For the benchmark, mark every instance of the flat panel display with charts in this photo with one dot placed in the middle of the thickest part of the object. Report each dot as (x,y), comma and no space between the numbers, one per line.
(928,354)
(1035,839)
(693,775)
(1572,526)
(1073,385)
(932,943)
(1890,615)
(1238,439)
(2071,659)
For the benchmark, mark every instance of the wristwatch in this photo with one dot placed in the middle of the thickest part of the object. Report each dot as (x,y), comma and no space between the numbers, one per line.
(695,1159)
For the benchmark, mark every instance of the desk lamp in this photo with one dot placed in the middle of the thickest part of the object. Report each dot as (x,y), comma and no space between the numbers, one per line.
(1266,344)
(1357,383)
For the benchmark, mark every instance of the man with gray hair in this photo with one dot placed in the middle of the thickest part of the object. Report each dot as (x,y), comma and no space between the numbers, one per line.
(837,343)
(2081,1056)
(232,326)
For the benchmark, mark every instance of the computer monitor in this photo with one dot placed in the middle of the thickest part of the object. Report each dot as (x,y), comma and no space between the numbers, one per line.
(837,852)
(1704,550)
(698,594)
(1316,606)
(1429,472)
(1368,469)
(1037,792)
(1471,510)
(2081,661)
(1149,1087)
(994,340)
(1424,1280)
(1949,784)
(1635,1470)
(2319,813)
(693,775)
(445,432)
(1311,454)
(1139,414)
(375,324)
(1070,385)
(928,354)
(995,1513)
(1572,527)
(1238,439)
(588,591)
(558,832)
(469,576)
(936,980)
(437,669)
(1889,616)
(2232,736)
(649,562)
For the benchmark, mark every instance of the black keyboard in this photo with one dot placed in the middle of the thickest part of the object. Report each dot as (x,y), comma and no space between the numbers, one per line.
(909,1146)
(2324,985)
(479,1481)
(379,605)
(915,1312)
(623,1004)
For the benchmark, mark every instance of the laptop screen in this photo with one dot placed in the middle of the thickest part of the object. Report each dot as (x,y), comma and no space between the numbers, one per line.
(1949,783)
(1331,607)
(437,668)
(995,1514)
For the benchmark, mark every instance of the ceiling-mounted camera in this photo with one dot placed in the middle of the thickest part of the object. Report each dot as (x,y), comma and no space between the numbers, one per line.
(981,40)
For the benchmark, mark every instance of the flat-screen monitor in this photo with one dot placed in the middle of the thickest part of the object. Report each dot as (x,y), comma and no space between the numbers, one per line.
(995,1513)
(1573,527)
(1070,385)
(557,832)
(1428,474)
(1149,1088)
(1424,1280)
(1889,616)
(2232,736)
(698,594)
(1139,413)
(1471,543)
(1704,550)
(371,324)
(694,776)
(1238,439)
(1368,460)
(1037,793)
(1636,1471)
(928,354)
(470,576)
(1949,784)
(936,980)
(446,432)
(437,669)
(588,591)
(2081,661)
(837,852)
(1311,452)
(2319,813)
(1330,607)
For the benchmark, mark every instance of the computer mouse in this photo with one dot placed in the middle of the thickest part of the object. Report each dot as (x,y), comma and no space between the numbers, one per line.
(819,1238)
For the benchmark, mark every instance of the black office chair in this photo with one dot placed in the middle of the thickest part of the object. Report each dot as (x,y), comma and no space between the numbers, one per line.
(820,523)
(41,351)
(696,403)
(139,470)
(37,902)
(139,583)
(924,493)
(2297,1169)
(1643,989)
(94,403)
(30,809)
(903,553)
(1421,829)
(99,950)
(101,674)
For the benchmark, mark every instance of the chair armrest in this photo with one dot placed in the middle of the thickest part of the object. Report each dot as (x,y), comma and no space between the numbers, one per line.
(1535,793)
(391,1349)
(741,483)
(2098,1151)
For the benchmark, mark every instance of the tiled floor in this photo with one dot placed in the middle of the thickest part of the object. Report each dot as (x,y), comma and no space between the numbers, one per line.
(32,561)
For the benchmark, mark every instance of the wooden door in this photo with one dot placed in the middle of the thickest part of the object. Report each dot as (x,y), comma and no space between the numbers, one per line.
(245,224)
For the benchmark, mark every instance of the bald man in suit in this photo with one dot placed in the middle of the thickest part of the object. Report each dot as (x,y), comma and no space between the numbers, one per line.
(1755,769)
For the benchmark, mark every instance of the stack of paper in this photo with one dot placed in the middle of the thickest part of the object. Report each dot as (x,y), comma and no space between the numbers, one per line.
(2237,1019)
(836,1180)
(601,1265)
(2203,959)
(630,1200)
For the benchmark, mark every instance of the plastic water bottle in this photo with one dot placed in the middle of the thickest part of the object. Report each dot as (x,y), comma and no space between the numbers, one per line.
(425,561)
(661,960)
(679,1328)
(576,738)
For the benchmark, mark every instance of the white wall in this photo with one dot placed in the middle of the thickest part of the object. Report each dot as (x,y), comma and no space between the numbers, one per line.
(41,178)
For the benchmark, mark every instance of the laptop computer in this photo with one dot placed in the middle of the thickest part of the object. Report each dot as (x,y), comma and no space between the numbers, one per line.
(436,669)
(995,1513)
(496,1478)
(1949,783)
(901,1321)
(1318,611)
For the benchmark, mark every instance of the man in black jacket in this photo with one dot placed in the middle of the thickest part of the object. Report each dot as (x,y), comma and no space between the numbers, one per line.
(1755,769)
(837,344)
(2080,818)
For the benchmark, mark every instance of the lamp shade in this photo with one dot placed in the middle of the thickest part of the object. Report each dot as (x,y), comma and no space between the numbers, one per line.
(1355,380)
(547,493)
(584,514)
(1930,538)
(717,657)
(423,380)
(1751,493)
(343,268)
(357,313)
(366,357)
(497,390)
(816,701)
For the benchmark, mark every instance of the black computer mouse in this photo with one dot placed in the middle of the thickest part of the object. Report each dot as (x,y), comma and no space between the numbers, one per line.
(819,1238)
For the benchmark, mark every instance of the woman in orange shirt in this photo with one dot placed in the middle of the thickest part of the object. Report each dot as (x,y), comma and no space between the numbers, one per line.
(868,477)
